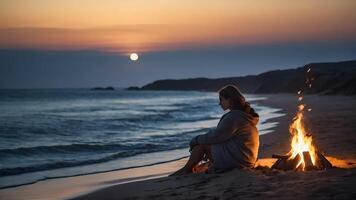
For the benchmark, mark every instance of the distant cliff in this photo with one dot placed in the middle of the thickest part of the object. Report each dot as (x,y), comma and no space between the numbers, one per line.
(328,78)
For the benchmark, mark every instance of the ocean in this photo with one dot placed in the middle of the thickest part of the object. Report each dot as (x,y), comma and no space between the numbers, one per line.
(51,133)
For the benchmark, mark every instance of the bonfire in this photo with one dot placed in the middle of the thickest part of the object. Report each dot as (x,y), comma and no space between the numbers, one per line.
(303,154)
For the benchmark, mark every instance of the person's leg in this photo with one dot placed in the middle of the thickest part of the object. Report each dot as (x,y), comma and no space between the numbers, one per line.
(208,155)
(196,156)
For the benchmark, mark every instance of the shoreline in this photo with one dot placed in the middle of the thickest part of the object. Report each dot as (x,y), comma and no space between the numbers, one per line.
(275,142)
(93,173)
(69,187)
(67,172)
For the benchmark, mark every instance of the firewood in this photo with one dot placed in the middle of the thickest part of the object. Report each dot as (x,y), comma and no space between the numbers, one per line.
(286,164)
(294,162)
(279,156)
(276,164)
(322,161)
(308,162)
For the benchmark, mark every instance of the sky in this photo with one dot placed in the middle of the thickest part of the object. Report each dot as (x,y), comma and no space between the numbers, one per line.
(87,43)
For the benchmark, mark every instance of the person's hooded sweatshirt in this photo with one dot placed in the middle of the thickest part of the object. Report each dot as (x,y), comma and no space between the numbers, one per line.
(234,142)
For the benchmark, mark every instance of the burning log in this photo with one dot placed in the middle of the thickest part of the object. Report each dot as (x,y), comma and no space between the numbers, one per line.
(307,161)
(322,162)
(284,162)
(279,156)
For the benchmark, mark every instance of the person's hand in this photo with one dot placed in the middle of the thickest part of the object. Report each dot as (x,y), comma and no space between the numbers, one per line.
(193,143)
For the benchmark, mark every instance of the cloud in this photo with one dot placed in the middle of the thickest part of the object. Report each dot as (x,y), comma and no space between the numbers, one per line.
(158,37)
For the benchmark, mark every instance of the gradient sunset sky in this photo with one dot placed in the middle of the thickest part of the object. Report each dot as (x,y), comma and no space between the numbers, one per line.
(86,43)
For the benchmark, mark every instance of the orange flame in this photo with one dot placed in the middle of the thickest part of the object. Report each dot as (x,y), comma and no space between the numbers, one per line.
(301,141)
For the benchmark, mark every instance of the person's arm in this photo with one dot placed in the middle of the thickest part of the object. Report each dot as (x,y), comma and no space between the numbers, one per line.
(224,131)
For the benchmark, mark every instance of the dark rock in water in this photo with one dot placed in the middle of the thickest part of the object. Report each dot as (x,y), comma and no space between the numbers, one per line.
(103,88)
(133,88)
(328,78)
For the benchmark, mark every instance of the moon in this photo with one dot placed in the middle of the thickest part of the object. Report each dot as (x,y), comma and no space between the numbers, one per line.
(133,56)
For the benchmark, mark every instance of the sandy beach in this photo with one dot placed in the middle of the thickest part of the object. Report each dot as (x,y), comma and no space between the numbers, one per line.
(331,121)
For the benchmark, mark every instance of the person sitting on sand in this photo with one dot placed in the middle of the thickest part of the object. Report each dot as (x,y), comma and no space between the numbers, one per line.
(233,143)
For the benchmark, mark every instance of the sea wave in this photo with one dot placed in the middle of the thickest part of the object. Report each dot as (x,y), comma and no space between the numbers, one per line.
(42,130)
(121,153)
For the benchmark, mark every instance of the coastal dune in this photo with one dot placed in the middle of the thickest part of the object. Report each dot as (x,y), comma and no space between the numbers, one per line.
(331,122)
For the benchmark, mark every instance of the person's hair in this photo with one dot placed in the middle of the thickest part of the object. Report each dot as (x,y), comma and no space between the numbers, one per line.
(236,99)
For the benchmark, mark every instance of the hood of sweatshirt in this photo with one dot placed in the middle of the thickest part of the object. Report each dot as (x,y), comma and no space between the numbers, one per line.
(251,118)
